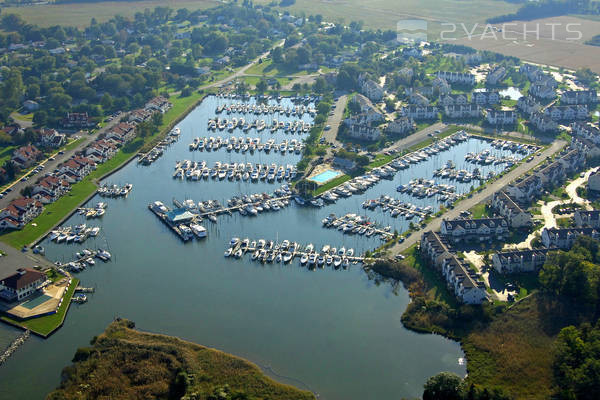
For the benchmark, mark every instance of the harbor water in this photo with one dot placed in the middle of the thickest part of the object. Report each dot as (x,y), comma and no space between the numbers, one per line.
(335,332)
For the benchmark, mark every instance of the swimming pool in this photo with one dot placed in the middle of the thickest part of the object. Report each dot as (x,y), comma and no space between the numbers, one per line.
(36,301)
(325,176)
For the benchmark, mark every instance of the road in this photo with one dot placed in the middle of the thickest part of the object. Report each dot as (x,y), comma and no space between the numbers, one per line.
(335,120)
(479,197)
(417,137)
(51,165)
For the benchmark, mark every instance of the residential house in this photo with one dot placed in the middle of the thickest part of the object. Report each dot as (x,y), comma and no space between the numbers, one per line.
(496,75)
(593,183)
(517,261)
(434,248)
(19,212)
(576,97)
(586,131)
(122,133)
(49,189)
(509,209)
(463,111)
(484,97)
(573,160)
(542,91)
(461,78)
(418,99)
(400,126)
(420,112)
(364,132)
(567,113)
(563,238)
(543,123)
(441,86)
(501,117)
(551,174)
(463,280)
(77,120)
(528,105)
(140,115)
(26,156)
(589,219)
(20,285)
(51,138)
(159,104)
(453,100)
(525,189)
(479,229)
(370,88)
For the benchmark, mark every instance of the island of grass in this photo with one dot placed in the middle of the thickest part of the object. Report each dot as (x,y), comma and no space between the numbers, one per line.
(128,364)
(46,325)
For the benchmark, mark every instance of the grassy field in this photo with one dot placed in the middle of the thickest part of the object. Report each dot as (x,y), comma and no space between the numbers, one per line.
(80,14)
(331,184)
(6,154)
(480,211)
(129,364)
(48,324)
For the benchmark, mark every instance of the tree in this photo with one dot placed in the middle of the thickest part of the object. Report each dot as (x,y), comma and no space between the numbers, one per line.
(40,118)
(261,86)
(443,386)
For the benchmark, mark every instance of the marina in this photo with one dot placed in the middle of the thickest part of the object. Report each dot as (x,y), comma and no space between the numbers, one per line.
(73,234)
(198,170)
(112,190)
(157,151)
(241,144)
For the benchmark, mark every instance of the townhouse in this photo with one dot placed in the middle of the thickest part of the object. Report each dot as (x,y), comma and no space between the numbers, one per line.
(122,133)
(418,99)
(76,169)
(434,248)
(51,138)
(572,160)
(576,97)
(528,105)
(567,113)
(501,117)
(159,104)
(552,173)
(364,132)
(517,261)
(505,206)
(19,212)
(461,78)
(485,97)
(400,126)
(463,111)
(588,219)
(481,229)
(420,112)
(370,88)
(496,75)
(453,100)
(49,189)
(525,189)
(542,91)
(77,120)
(586,131)
(543,122)
(463,280)
(26,156)
(441,86)
(140,115)
(563,238)
(593,183)
(101,150)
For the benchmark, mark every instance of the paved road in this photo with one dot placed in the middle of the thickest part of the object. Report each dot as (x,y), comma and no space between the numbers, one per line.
(335,120)
(417,137)
(479,197)
(14,259)
(51,165)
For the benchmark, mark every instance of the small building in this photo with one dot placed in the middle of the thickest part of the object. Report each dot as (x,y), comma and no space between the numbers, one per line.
(180,216)
(517,261)
(509,209)
(563,238)
(26,156)
(589,219)
(501,117)
(21,284)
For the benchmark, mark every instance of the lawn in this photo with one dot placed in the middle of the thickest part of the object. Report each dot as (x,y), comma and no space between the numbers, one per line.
(46,325)
(331,184)
(6,154)
(480,211)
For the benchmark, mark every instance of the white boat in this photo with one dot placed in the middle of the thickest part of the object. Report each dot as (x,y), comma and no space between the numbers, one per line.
(287,257)
(304,259)
(342,251)
(337,261)
(198,230)
(228,252)
(345,263)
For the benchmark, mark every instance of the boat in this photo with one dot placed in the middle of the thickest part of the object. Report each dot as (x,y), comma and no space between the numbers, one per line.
(342,251)
(345,263)
(337,261)
(228,252)
(304,259)
(287,257)
(198,230)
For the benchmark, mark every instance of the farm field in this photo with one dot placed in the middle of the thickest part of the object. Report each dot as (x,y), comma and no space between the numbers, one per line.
(557,51)
(80,14)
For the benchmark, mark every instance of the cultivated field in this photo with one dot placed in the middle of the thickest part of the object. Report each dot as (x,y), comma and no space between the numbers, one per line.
(557,50)
(80,14)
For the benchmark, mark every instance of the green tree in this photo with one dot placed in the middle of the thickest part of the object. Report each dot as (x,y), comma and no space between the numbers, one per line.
(443,386)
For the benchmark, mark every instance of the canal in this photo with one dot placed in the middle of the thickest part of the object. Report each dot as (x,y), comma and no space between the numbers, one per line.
(335,332)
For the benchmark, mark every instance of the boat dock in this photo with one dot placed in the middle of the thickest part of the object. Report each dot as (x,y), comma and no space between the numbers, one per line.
(286,251)
(157,151)
(356,224)
(397,207)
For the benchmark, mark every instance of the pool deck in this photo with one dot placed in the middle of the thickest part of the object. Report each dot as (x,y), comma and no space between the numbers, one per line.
(319,169)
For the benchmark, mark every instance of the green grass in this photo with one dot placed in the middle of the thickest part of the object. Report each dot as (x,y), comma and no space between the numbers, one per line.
(331,184)
(46,325)
(480,211)
(6,154)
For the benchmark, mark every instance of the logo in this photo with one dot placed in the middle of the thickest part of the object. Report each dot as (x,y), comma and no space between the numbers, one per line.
(411,30)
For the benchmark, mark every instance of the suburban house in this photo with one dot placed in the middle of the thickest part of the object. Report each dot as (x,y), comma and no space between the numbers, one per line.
(457,77)
(589,219)
(465,282)
(567,113)
(21,284)
(453,100)
(420,112)
(501,117)
(49,189)
(474,229)
(463,111)
(563,238)
(26,156)
(100,150)
(496,75)
(516,261)
(551,174)
(19,212)
(593,183)
(586,131)
(525,189)
(572,160)
(400,126)
(441,85)
(543,122)
(528,105)
(159,104)
(363,131)
(140,115)
(418,99)
(509,209)
(485,97)
(122,133)
(51,138)
(370,88)
(574,97)
(542,91)
(77,120)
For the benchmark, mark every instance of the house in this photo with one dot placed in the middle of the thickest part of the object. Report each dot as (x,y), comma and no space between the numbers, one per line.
(542,91)
(593,183)
(576,97)
(543,123)
(563,238)
(420,112)
(465,283)
(400,126)
(567,113)
(463,111)
(122,133)
(406,75)
(496,75)
(434,248)
(525,189)
(453,100)
(441,86)
(484,97)
(517,261)
(19,212)
(572,160)
(77,120)
(589,219)
(372,90)
(23,283)
(51,138)
(501,117)
(344,163)
(31,105)
(509,209)
(159,104)
(551,173)
(418,99)
(49,189)
(140,115)
(372,113)
(413,51)
(26,156)
(101,150)
(478,228)
(586,131)
(460,78)
(364,132)
(528,105)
